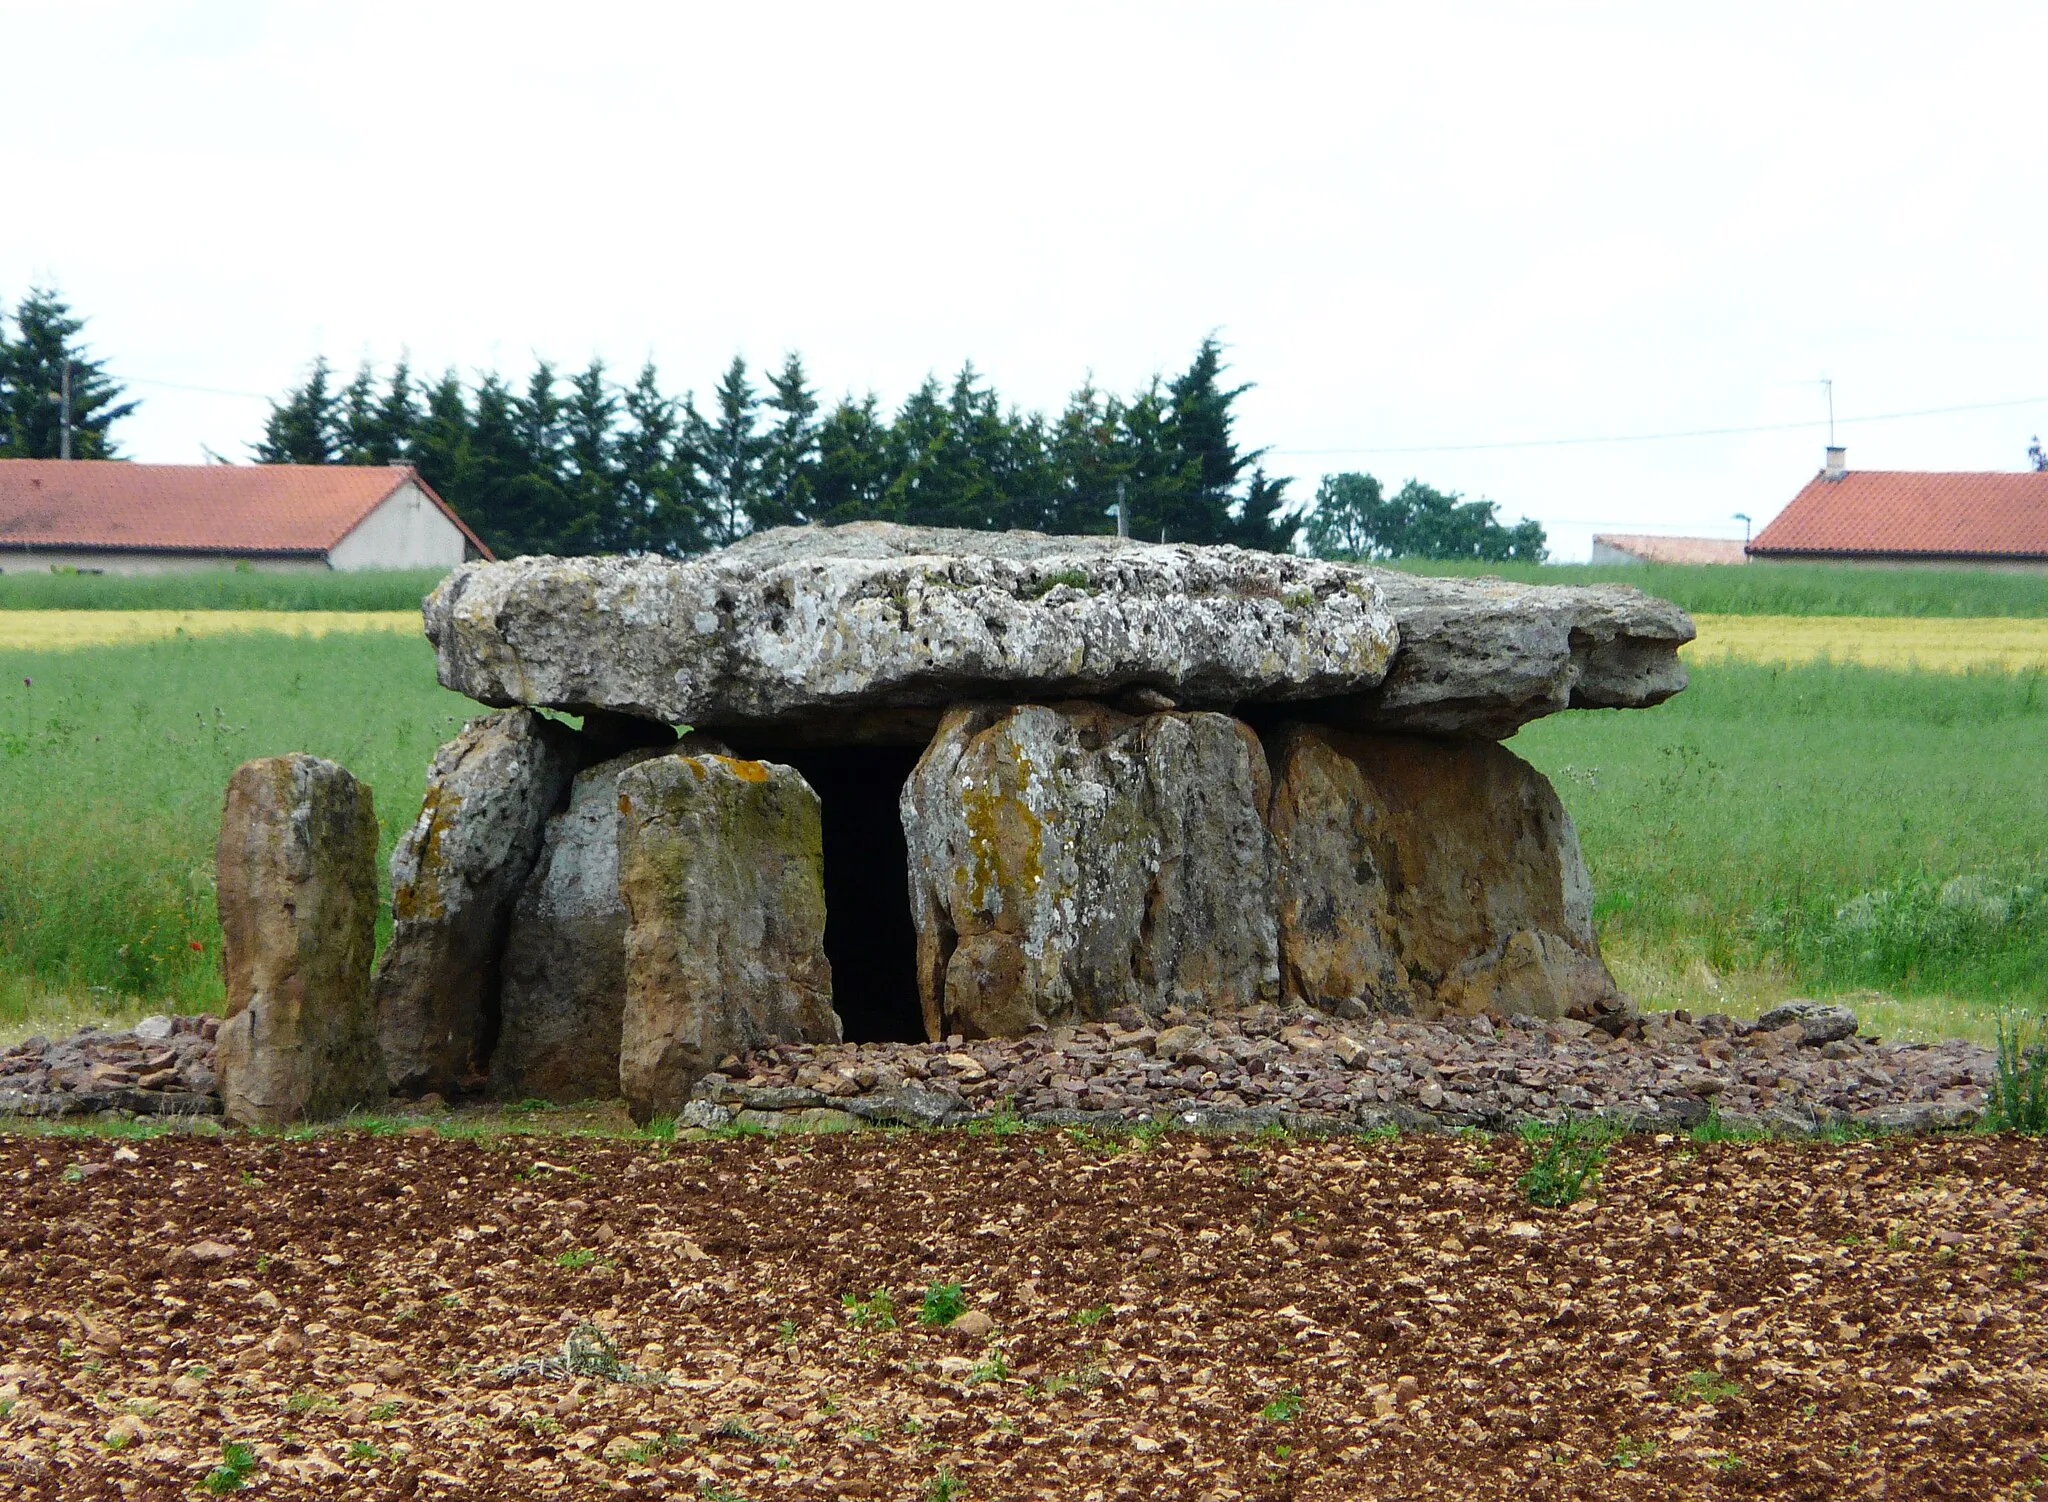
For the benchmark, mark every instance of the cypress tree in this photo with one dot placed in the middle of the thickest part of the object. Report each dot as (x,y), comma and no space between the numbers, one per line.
(658,508)
(590,420)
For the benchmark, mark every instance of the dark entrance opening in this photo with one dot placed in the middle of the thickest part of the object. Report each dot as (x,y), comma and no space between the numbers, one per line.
(869,935)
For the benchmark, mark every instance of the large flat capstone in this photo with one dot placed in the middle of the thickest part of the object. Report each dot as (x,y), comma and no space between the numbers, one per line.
(801,625)
(1483,657)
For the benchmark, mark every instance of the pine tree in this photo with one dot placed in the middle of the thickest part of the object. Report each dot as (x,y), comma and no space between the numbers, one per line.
(790,459)
(1202,428)
(1085,468)
(1262,521)
(32,410)
(438,445)
(855,450)
(355,425)
(305,426)
(398,418)
(729,449)
(590,420)
(658,510)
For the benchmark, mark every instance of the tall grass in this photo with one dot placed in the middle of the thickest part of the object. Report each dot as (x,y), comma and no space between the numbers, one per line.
(1854,827)
(217,589)
(112,765)
(1789,588)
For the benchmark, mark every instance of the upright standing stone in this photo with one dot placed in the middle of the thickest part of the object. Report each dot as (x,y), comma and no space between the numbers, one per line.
(455,876)
(721,865)
(1070,860)
(297,889)
(1426,876)
(564,994)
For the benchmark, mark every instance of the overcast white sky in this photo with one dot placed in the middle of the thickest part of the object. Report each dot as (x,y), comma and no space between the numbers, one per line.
(1415,225)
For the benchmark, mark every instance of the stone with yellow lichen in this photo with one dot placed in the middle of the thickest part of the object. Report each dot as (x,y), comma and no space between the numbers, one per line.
(1068,860)
(721,867)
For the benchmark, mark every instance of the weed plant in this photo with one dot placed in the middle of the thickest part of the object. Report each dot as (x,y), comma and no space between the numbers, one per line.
(237,1465)
(2019,1090)
(1565,1160)
(943,1303)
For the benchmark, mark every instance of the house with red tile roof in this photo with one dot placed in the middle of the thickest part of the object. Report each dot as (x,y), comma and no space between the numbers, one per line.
(1910,518)
(103,514)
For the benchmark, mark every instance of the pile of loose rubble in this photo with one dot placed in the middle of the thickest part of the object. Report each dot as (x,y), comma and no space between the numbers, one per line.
(164,1067)
(1799,1068)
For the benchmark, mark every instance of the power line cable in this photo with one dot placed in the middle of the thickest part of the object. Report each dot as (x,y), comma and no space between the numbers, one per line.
(1769,427)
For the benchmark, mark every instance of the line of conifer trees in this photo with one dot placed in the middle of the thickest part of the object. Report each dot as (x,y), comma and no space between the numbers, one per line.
(582,464)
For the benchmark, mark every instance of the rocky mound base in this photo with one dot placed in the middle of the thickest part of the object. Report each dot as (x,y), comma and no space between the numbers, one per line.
(164,1066)
(1801,1069)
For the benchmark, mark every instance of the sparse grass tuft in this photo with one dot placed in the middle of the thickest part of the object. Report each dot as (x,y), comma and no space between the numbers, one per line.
(1709,1387)
(2019,1091)
(875,1312)
(1566,1161)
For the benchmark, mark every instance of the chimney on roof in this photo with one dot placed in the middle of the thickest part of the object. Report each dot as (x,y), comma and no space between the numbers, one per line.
(1838,463)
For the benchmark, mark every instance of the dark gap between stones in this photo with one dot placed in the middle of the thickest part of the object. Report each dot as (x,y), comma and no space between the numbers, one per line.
(869,936)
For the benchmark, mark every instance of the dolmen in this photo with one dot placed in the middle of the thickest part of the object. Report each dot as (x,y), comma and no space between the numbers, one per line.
(881,783)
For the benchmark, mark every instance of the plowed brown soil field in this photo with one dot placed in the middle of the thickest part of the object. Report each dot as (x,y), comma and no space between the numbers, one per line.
(371,1316)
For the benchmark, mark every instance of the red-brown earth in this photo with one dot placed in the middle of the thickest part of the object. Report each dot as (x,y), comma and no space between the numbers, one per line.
(1199,1318)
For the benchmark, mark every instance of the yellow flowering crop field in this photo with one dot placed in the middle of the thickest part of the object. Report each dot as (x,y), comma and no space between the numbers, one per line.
(1953,644)
(48,630)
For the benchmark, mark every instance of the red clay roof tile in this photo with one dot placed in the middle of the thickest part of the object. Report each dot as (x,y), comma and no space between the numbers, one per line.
(1906,512)
(194,508)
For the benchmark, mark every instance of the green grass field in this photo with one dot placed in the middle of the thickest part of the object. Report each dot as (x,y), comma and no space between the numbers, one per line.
(1793,588)
(1820,829)
(113,761)
(217,589)
(1757,589)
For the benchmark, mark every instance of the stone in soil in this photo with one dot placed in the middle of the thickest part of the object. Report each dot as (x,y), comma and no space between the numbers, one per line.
(721,866)
(1070,860)
(455,875)
(297,892)
(1420,877)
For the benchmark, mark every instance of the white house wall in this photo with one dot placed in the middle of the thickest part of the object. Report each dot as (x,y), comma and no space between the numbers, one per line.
(406,531)
(144,561)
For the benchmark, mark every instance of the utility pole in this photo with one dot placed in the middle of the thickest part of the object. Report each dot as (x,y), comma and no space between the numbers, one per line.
(1123,522)
(64,440)
(1743,517)
(1828,381)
